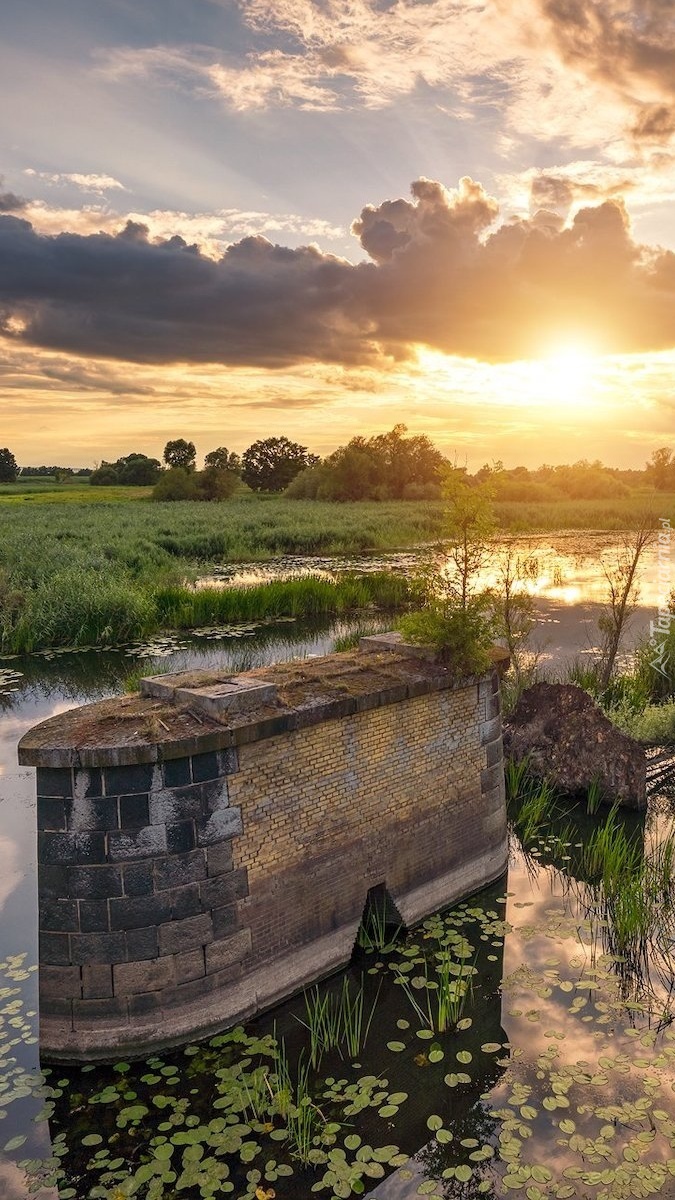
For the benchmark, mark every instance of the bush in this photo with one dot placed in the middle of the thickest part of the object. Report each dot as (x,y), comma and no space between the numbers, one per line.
(176,484)
(462,637)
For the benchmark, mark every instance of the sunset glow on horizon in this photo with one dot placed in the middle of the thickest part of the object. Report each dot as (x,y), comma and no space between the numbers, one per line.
(322,219)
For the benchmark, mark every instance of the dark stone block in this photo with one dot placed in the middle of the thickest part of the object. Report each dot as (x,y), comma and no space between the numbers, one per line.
(214,796)
(134,811)
(133,978)
(94,916)
(190,934)
(97,982)
(228,952)
(121,781)
(180,870)
(180,838)
(138,879)
(111,1011)
(219,858)
(176,772)
(55,950)
(224,889)
(225,920)
(490,777)
(185,901)
(189,966)
(228,761)
(124,846)
(53,881)
(135,912)
(61,916)
(225,823)
(205,766)
(98,812)
(97,948)
(94,883)
(54,781)
(60,983)
(51,814)
(175,805)
(495,753)
(63,849)
(142,943)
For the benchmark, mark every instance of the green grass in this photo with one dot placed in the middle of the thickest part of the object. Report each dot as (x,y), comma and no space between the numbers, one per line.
(71,491)
(76,611)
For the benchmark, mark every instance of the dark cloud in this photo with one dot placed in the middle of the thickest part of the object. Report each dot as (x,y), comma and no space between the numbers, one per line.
(442,273)
(10,202)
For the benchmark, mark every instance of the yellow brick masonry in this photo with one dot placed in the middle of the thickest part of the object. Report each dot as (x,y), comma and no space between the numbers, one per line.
(308,793)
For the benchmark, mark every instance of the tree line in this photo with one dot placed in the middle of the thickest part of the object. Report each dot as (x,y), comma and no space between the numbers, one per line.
(387,466)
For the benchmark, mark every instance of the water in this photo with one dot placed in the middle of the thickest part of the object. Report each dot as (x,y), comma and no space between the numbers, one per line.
(561,1027)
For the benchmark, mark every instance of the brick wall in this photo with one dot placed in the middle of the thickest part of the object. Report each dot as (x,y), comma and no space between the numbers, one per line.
(180,894)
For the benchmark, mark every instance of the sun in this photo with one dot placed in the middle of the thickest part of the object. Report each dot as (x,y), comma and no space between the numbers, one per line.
(571,368)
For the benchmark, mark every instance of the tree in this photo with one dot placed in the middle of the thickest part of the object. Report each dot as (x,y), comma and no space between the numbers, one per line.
(270,464)
(660,470)
(216,484)
(8,467)
(176,484)
(469,529)
(622,595)
(180,453)
(133,470)
(223,460)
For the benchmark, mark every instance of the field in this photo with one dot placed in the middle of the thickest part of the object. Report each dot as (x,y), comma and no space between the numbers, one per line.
(82,565)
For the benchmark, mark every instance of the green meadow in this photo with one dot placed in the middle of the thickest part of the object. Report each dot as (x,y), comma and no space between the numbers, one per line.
(91,566)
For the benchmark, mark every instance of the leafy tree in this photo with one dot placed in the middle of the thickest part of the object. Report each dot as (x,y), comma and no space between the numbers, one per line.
(8,467)
(133,470)
(179,453)
(104,476)
(213,483)
(223,460)
(270,464)
(138,470)
(176,484)
(469,529)
(388,466)
(660,470)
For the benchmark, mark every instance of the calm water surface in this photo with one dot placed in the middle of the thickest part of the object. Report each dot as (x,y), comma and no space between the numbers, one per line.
(560,1026)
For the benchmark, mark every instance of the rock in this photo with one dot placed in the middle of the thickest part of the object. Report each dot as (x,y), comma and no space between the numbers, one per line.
(569,740)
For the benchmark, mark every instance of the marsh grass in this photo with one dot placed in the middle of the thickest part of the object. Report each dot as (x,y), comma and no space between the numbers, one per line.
(94,610)
(337,1020)
(438,994)
(530,803)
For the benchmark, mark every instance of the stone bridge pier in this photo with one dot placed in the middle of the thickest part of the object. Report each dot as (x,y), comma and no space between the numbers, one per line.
(206,848)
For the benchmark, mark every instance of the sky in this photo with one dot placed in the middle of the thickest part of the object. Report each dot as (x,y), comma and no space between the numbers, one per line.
(226,221)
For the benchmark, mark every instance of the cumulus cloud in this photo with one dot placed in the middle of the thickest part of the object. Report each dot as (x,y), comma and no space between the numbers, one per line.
(443,272)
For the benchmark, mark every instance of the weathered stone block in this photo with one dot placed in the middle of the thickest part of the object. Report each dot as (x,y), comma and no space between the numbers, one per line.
(60,983)
(142,943)
(184,901)
(93,883)
(220,825)
(144,843)
(151,976)
(59,915)
(189,966)
(134,811)
(225,921)
(51,814)
(172,805)
(180,869)
(97,981)
(54,949)
(135,912)
(89,948)
(219,858)
(228,951)
(176,772)
(138,878)
(223,889)
(121,781)
(97,812)
(107,1013)
(180,837)
(54,781)
(177,937)
(94,916)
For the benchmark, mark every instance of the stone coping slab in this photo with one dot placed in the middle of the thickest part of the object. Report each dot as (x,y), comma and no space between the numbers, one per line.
(288,696)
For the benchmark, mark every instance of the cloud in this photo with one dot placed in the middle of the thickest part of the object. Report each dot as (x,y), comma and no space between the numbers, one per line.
(589,72)
(88,183)
(9,201)
(443,272)
(211,231)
